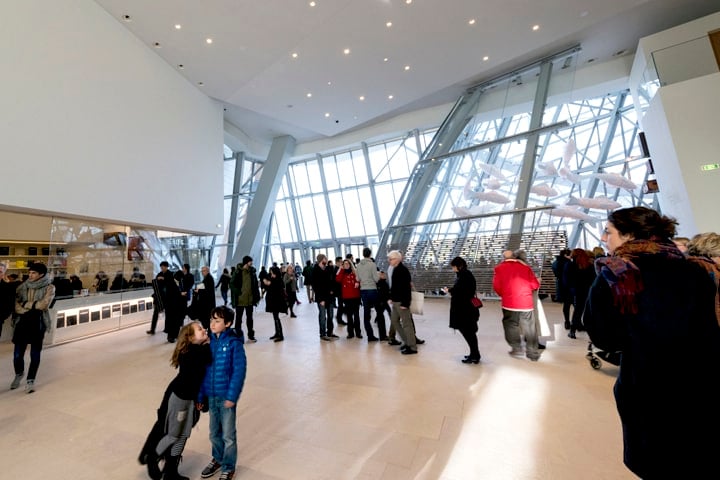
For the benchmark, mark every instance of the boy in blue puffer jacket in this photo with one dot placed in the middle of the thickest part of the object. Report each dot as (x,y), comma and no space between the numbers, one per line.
(220,391)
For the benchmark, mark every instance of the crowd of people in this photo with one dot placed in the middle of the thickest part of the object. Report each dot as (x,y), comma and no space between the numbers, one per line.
(649,295)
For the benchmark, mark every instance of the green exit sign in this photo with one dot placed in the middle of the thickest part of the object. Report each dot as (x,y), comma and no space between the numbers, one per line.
(709,166)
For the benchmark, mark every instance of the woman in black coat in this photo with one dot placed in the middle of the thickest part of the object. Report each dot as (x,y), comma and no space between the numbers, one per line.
(463,314)
(275,302)
(580,273)
(657,308)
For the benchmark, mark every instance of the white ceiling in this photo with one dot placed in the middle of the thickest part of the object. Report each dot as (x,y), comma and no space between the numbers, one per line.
(249,65)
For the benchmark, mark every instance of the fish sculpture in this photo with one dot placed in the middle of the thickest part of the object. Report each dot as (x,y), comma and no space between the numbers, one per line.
(547,168)
(491,170)
(616,180)
(602,203)
(492,196)
(570,212)
(491,183)
(544,190)
(569,175)
(568,152)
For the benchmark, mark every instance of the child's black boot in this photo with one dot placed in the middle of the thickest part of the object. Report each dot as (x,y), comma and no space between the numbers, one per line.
(171,469)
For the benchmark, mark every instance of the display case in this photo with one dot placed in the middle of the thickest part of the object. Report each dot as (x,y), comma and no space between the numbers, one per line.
(84,316)
(19,256)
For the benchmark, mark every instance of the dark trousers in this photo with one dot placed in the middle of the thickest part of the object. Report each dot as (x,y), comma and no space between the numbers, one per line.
(19,358)
(579,308)
(249,320)
(370,300)
(352,309)
(155,315)
(278,325)
(470,336)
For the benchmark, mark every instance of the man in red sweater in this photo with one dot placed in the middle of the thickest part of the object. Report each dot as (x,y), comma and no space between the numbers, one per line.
(514,282)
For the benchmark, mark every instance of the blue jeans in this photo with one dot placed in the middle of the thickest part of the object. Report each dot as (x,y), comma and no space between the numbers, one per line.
(223,436)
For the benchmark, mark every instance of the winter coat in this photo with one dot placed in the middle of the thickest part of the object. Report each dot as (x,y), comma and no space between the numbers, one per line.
(515,282)
(368,274)
(463,315)
(192,367)
(37,296)
(401,286)
(225,376)
(237,284)
(275,300)
(348,282)
(665,390)
(323,284)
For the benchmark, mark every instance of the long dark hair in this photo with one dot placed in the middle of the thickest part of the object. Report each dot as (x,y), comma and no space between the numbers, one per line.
(643,223)
(459,263)
(582,259)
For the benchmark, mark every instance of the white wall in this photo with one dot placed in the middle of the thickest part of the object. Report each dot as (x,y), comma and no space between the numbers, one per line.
(93,123)
(682,132)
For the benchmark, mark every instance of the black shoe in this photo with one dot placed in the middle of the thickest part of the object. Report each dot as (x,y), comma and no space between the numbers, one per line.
(278,339)
(419,341)
(372,339)
(384,339)
(408,351)
(567,325)
(350,336)
(150,332)
(357,335)
(273,337)
(293,315)
(171,340)
(332,335)
(153,469)
(541,346)
(393,342)
(571,334)
(469,359)
(341,322)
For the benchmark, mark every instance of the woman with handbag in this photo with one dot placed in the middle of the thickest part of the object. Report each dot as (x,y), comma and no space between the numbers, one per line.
(32,302)
(464,315)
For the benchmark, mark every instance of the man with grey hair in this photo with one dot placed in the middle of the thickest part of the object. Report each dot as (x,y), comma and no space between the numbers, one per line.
(400,298)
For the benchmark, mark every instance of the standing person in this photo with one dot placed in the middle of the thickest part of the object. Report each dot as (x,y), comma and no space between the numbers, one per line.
(291,287)
(307,278)
(32,302)
(223,284)
(205,292)
(580,276)
(7,296)
(515,282)
(160,294)
(221,390)
(323,281)
(245,283)
(649,300)
(400,298)
(383,306)
(562,289)
(262,276)
(275,300)
(704,249)
(177,413)
(350,286)
(369,275)
(298,274)
(464,315)
(186,283)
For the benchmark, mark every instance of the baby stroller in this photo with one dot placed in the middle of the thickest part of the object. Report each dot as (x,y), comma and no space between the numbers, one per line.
(594,357)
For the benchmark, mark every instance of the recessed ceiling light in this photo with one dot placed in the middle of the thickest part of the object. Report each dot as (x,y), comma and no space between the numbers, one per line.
(536,28)
(346,51)
(181,66)
(178,26)
(385,59)
(390,97)
(472,21)
(127,18)
(200,84)
(407,67)
(388,24)
(327,115)
(408,2)
(362,97)
(157,45)
(486,58)
(312,4)
(294,55)
(308,95)
(329,83)
(208,40)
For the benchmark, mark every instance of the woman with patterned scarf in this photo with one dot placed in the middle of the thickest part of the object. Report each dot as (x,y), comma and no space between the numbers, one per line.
(657,308)
(32,319)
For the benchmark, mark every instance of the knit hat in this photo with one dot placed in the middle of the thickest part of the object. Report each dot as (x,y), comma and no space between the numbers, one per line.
(38,267)
(247,259)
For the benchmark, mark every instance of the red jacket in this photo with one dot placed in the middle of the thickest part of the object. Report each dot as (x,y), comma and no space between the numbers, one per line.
(348,282)
(514,282)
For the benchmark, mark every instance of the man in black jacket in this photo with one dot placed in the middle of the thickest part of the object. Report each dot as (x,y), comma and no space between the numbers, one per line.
(324,286)
(400,296)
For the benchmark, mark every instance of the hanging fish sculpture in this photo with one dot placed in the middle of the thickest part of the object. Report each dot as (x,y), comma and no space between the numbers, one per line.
(543,189)
(491,183)
(547,168)
(616,180)
(570,212)
(602,203)
(492,196)
(565,171)
(491,170)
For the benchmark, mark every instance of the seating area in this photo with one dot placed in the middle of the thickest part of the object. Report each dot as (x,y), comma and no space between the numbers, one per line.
(429,260)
